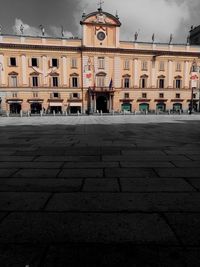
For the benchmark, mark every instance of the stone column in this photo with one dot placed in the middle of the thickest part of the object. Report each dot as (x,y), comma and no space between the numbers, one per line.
(170,74)
(45,77)
(24,70)
(64,67)
(186,75)
(2,70)
(135,69)
(153,74)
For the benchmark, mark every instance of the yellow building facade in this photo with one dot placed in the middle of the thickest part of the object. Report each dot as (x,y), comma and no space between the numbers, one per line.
(98,73)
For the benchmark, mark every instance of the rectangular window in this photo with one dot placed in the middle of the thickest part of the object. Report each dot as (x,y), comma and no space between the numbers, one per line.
(144,65)
(144,95)
(126,95)
(74,63)
(75,95)
(100,81)
(56,95)
(178,84)
(35,95)
(13,81)
(161,95)
(162,66)
(143,82)
(54,62)
(35,81)
(34,62)
(13,62)
(126,83)
(101,63)
(178,95)
(178,66)
(126,64)
(14,95)
(74,82)
(161,83)
(55,81)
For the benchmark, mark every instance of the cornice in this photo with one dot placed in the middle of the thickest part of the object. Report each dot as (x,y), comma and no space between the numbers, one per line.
(81,49)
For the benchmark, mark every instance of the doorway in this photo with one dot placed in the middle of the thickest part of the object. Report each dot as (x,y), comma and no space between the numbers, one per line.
(36,108)
(102,104)
(15,108)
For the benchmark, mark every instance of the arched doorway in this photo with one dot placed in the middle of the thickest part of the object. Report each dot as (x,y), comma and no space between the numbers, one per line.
(36,108)
(126,107)
(161,107)
(15,108)
(144,107)
(177,107)
(102,104)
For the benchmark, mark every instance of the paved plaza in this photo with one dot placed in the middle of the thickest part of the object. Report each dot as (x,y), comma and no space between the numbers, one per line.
(100,191)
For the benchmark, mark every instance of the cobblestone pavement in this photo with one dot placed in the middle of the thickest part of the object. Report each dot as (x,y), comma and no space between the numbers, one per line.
(100,191)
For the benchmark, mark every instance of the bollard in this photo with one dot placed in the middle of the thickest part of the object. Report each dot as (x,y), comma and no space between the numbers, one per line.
(41,113)
(124,112)
(113,113)
(169,112)
(65,113)
(7,113)
(78,113)
(180,112)
(101,113)
(54,113)
(21,114)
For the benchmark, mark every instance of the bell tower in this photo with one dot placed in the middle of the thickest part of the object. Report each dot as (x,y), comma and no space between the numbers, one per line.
(100,29)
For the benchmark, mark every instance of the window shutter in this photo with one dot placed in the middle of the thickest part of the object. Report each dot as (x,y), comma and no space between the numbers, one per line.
(9,61)
(30,62)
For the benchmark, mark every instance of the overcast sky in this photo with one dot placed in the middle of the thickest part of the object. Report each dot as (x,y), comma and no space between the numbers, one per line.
(161,17)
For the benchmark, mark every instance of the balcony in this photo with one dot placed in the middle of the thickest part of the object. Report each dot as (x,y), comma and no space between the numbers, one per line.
(103,89)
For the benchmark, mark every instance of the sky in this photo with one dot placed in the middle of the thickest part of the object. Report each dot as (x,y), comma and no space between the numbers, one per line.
(161,17)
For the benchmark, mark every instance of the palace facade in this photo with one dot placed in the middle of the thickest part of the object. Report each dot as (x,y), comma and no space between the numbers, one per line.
(98,73)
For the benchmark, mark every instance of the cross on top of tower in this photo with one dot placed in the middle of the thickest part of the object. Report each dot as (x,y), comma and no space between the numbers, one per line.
(100,3)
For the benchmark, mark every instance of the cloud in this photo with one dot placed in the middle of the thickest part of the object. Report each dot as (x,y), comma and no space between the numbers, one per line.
(28,30)
(57,31)
(161,17)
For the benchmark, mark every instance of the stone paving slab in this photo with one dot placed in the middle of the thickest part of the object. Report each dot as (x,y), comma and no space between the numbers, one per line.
(21,255)
(103,228)
(186,226)
(101,185)
(10,201)
(155,185)
(40,185)
(178,172)
(125,202)
(114,190)
(130,172)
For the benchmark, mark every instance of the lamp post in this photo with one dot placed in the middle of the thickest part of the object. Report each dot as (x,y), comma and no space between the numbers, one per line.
(194,79)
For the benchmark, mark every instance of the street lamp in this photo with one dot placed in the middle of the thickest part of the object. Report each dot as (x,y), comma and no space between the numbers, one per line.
(194,79)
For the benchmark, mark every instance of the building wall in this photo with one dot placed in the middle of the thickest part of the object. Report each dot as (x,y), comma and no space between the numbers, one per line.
(122,60)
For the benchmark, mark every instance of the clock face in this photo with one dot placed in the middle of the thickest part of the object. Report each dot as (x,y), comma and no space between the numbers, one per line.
(101,36)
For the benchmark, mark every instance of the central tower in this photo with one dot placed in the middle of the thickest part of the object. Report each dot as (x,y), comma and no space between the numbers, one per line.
(100,29)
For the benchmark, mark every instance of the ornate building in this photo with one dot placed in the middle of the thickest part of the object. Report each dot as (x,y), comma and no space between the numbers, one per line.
(97,73)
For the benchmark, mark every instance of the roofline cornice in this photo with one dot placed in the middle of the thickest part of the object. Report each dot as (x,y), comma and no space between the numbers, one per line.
(80,49)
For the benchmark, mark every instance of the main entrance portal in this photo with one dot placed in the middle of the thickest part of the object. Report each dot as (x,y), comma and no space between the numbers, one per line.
(102,104)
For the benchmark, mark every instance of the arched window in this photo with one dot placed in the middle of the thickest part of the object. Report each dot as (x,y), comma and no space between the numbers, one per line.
(161,81)
(178,82)
(74,78)
(55,79)
(100,79)
(143,81)
(13,80)
(126,81)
